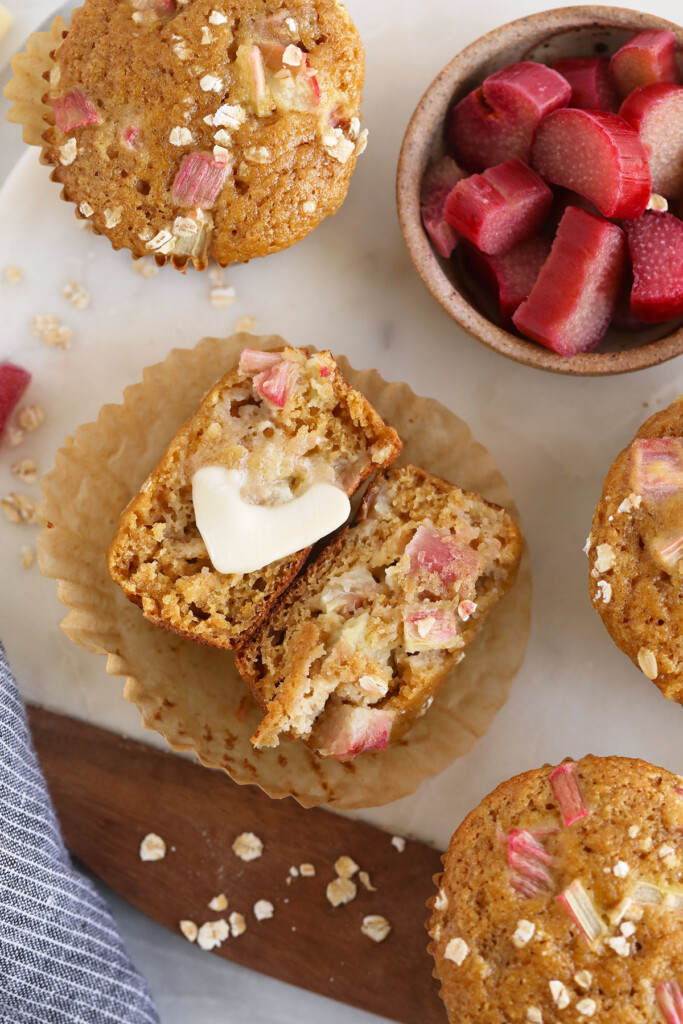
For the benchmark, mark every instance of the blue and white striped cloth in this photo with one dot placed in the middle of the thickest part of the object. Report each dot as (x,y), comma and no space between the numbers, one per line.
(61,957)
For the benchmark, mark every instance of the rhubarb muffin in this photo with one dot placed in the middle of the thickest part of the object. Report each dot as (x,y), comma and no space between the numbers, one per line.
(635,550)
(360,645)
(192,129)
(258,474)
(561,899)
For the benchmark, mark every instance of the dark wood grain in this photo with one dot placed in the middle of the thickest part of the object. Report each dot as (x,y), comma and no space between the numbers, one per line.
(110,792)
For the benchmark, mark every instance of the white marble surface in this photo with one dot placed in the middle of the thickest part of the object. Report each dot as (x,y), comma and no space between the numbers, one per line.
(349,286)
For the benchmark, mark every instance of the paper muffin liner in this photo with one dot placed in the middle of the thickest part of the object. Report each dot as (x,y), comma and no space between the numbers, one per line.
(192,694)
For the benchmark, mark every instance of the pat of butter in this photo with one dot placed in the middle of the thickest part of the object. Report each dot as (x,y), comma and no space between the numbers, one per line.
(5,21)
(243,538)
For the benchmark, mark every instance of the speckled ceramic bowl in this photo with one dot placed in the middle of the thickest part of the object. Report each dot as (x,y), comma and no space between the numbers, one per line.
(565,32)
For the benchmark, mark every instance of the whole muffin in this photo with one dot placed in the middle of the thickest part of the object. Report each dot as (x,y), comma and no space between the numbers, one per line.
(560,899)
(197,128)
(635,548)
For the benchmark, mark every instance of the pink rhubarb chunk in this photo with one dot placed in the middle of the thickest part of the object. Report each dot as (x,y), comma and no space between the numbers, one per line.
(565,787)
(656,113)
(598,155)
(346,731)
(276,384)
(670,1001)
(199,181)
(655,242)
(74,110)
(657,468)
(576,292)
(589,78)
(582,910)
(648,57)
(509,278)
(253,360)
(499,208)
(429,628)
(529,863)
(497,121)
(13,383)
(437,184)
(437,552)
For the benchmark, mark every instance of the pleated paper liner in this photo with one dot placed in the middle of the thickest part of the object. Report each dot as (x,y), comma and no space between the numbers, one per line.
(192,694)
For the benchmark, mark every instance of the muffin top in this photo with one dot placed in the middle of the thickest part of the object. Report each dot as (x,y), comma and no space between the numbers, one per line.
(197,128)
(561,899)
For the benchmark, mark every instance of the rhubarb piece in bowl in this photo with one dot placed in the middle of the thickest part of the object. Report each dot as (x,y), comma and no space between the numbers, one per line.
(635,551)
(188,131)
(560,898)
(604,155)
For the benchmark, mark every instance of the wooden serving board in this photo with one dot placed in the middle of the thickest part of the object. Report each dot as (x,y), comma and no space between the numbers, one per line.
(110,792)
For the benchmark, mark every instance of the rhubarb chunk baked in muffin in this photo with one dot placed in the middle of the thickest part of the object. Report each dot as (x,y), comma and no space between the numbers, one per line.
(358,647)
(197,128)
(561,899)
(257,475)
(635,550)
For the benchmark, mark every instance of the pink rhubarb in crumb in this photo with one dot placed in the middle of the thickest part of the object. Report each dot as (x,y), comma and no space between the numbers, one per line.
(655,242)
(434,551)
(575,295)
(429,628)
(669,999)
(509,278)
(74,110)
(590,81)
(199,181)
(497,121)
(583,912)
(346,731)
(565,787)
(648,57)
(13,382)
(499,208)
(597,154)
(437,184)
(529,863)
(657,468)
(656,113)
(130,136)
(254,360)
(276,384)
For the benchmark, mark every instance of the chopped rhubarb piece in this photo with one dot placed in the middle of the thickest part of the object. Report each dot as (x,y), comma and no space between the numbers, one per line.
(657,468)
(668,549)
(429,628)
(130,136)
(509,278)
(437,184)
(670,1001)
(575,295)
(655,243)
(253,360)
(297,90)
(324,371)
(565,787)
(13,383)
(273,28)
(346,593)
(252,71)
(647,894)
(597,154)
(74,110)
(497,121)
(345,731)
(499,208)
(199,181)
(529,863)
(648,57)
(590,80)
(656,113)
(276,384)
(583,912)
(437,552)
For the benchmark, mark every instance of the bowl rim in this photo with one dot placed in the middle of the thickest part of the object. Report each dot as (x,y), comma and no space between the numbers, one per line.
(430,266)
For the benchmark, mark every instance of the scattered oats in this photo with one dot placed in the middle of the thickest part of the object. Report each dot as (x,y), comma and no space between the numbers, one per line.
(337,145)
(534,1015)
(633,831)
(189,930)
(206,35)
(19,510)
(55,75)
(345,867)
(456,950)
(309,206)
(466,609)
(292,26)
(308,870)
(257,155)
(216,276)
(293,872)
(28,556)
(152,847)
(524,932)
(647,662)
(560,994)
(292,56)
(212,934)
(375,927)
(263,910)
(365,881)
(619,944)
(584,979)
(180,136)
(216,18)
(113,217)
(238,925)
(341,890)
(246,324)
(605,558)
(213,432)
(354,128)
(184,227)
(223,138)
(145,234)
(247,846)
(222,154)
(362,142)
(657,203)
(68,153)
(399,843)
(221,298)
(49,330)
(145,268)
(628,929)
(646,844)
(86,209)
(219,902)
(12,274)
(211,83)
(163,242)
(586,1007)
(14,436)
(76,295)
(30,417)
(605,589)
(26,470)
(588,545)
(631,503)
(230,115)
(182,50)
(621,869)
(665,850)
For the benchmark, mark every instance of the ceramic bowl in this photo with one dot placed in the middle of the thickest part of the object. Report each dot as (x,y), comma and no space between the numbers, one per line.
(546,37)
